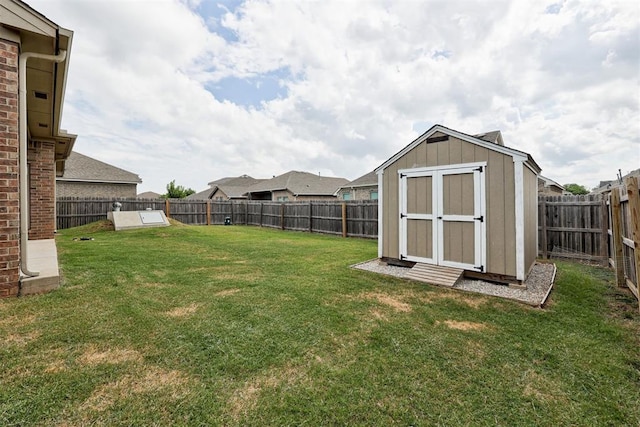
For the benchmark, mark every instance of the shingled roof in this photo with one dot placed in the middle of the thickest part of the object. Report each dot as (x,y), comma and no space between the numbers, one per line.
(79,167)
(233,186)
(300,184)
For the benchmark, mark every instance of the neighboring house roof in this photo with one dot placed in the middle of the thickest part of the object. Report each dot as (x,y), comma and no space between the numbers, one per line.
(83,168)
(495,136)
(549,182)
(201,195)
(235,181)
(605,186)
(234,187)
(149,195)
(465,137)
(300,184)
(367,180)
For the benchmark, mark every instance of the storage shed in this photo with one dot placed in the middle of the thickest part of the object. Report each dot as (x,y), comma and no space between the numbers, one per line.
(462,201)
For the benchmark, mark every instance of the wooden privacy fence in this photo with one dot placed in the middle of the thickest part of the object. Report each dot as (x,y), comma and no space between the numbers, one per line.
(346,218)
(573,227)
(624,234)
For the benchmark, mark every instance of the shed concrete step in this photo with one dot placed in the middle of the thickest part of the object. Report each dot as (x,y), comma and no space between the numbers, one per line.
(434,274)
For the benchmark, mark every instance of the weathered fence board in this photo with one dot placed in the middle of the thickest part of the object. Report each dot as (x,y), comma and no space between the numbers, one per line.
(359,218)
(573,227)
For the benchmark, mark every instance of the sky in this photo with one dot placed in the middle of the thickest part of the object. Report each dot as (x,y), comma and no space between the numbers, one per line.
(197,90)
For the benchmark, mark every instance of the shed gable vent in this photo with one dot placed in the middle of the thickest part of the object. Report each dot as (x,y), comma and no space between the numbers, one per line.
(437,139)
(40,95)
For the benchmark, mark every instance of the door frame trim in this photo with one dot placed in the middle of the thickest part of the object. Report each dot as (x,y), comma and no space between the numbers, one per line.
(437,172)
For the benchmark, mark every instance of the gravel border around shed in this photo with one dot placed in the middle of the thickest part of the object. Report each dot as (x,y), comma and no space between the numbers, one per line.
(539,283)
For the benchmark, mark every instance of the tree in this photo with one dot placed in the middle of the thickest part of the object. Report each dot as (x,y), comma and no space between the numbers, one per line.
(177,191)
(576,189)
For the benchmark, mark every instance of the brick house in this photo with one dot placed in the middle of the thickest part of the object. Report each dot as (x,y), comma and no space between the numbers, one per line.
(362,188)
(296,186)
(34,60)
(228,188)
(87,177)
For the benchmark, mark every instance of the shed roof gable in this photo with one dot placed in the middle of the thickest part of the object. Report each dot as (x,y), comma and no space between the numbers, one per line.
(516,154)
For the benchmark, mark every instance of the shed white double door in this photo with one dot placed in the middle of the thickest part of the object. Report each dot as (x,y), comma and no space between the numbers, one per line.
(442,215)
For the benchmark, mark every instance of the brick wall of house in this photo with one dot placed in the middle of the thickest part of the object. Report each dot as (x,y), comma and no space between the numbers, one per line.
(358,193)
(42,202)
(92,189)
(9,169)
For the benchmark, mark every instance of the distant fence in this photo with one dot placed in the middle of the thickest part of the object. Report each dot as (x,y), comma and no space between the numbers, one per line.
(346,218)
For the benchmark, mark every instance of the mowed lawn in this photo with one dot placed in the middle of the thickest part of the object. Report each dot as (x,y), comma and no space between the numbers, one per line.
(251,326)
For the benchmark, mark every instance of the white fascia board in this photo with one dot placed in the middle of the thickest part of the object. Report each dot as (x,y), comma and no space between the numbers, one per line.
(519,208)
(426,169)
(464,137)
(380,211)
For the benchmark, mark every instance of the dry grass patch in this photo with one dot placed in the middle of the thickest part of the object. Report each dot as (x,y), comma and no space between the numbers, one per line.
(388,300)
(464,326)
(151,380)
(21,339)
(245,398)
(93,356)
(14,321)
(542,388)
(376,314)
(226,292)
(183,311)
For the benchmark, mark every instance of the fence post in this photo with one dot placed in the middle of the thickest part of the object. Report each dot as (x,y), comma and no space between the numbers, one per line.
(167,207)
(246,212)
(634,225)
(261,208)
(616,231)
(208,212)
(344,220)
(310,217)
(604,240)
(543,232)
(282,216)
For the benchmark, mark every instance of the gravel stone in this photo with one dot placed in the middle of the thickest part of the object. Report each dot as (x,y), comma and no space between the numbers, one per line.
(538,284)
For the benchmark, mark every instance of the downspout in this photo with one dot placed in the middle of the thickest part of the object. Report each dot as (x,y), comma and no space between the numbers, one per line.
(24,182)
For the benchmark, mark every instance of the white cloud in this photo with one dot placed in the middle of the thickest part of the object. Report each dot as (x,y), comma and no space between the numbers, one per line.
(560,79)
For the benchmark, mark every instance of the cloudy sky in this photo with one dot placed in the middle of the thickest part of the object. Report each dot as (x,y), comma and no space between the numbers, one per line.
(196,90)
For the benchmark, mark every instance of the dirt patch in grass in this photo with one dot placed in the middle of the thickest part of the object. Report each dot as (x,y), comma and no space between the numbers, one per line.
(464,326)
(388,300)
(226,292)
(94,356)
(183,311)
(151,380)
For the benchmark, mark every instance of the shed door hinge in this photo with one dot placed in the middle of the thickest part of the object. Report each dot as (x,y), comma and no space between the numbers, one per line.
(401,257)
(480,218)
(402,215)
(481,268)
(479,168)
(402,175)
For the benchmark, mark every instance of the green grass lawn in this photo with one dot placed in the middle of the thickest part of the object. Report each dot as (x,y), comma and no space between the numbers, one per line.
(250,326)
